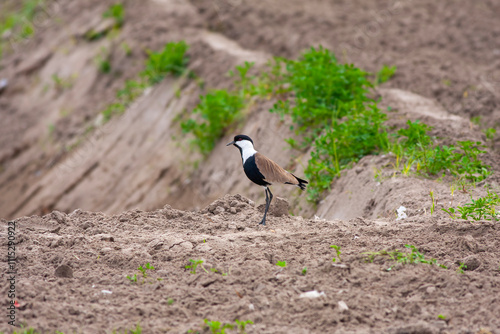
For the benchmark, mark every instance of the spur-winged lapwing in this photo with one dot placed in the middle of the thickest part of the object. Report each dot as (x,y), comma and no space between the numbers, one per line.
(262,170)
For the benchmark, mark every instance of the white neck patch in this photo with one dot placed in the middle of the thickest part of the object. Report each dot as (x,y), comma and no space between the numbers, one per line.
(247,149)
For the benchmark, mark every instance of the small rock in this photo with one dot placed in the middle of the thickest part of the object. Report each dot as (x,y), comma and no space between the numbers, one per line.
(312,294)
(430,290)
(342,306)
(232,210)
(472,263)
(218,210)
(106,250)
(187,245)
(64,271)
(59,217)
(105,237)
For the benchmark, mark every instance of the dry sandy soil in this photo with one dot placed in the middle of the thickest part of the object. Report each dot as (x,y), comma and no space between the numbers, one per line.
(91,207)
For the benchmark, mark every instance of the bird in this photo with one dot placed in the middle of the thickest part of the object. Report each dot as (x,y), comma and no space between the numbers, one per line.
(263,171)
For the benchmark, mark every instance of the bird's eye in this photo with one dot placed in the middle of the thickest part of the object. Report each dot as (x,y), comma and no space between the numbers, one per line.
(239,139)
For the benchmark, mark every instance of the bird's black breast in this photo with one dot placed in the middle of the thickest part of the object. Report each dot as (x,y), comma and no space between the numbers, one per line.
(253,173)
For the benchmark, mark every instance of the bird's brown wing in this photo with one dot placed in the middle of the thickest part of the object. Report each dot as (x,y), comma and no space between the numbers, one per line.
(272,171)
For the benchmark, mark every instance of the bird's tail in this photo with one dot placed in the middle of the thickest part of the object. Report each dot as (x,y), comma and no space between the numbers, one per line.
(302,183)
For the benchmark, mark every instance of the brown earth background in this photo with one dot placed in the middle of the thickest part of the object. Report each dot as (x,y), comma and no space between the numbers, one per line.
(100,203)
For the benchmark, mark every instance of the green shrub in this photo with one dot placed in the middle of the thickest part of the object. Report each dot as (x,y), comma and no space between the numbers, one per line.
(385,74)
(414,144)
(481,208)
(117,12)
(171,60)
(217,110)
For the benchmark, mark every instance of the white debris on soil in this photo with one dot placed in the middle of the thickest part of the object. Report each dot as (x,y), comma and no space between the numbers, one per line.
(106,292)
(342,306)
(401,213)
(312,294)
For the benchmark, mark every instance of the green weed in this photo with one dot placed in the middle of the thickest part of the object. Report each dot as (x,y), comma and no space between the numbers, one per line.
(337,249)
(157,67)
(414,257)
(304,271)
(385,74)
(132,279)
(433,205)
(415,145)
(217,327)
(479,209)
(217,110)
(194,264)
(137,330)
(441,317)
(281,264)
(16,22)
(170,301)
(171,60)
(103,61)
(143,270)
(61,84)
(490,133)
(461,268)
(116,12)
(242,325)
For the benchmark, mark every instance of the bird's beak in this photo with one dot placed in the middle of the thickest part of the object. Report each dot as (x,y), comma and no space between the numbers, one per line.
(231,143)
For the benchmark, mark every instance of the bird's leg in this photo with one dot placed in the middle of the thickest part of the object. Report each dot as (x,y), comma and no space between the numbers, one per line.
(268,203)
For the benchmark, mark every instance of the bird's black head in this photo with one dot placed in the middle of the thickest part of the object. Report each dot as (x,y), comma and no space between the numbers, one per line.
(240,138)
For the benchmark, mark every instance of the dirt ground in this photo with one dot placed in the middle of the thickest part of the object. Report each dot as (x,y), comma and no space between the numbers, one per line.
(91,207)
(102,250)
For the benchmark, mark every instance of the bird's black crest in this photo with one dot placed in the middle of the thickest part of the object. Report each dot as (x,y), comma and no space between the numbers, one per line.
(242,137)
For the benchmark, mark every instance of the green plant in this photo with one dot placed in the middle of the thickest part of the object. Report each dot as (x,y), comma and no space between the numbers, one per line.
(384,74)
(476,120)
(433,205)
(442,317)
(414,257)
(242,325)
(281,264)
(461,268)
(194,264)
(143,270)
(218,110)
(170,301)
(16,22)
(116,12)
(304,271)
(337,250)
(61,84)
(481,208)
(216,327)
(157,66)
(103,61)
(490,133)
(415,145)
(132,279)
(171,60)
(137,330)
